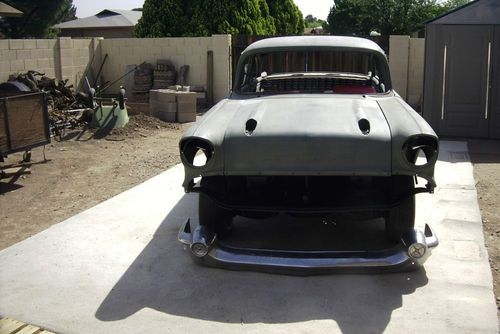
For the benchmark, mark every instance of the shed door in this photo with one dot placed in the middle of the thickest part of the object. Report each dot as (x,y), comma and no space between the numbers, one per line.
(466,67)
(494,109)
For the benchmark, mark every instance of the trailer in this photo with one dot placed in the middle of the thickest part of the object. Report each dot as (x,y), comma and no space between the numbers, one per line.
(24,123)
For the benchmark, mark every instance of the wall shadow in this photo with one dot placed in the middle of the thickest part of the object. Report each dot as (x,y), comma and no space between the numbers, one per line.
(164,278)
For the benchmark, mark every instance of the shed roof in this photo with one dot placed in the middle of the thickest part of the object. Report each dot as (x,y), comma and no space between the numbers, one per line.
(480,12)
(315,41)
(105,19)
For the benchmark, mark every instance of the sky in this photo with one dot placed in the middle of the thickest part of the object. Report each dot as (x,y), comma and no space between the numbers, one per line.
(318,8)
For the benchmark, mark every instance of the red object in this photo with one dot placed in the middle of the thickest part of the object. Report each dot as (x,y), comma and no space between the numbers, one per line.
(354,89)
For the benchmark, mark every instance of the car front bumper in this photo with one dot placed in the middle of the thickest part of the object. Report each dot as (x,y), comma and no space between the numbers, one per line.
(409,254)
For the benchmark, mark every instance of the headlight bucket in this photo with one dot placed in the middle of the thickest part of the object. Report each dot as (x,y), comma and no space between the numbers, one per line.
(416,145)
(190,148)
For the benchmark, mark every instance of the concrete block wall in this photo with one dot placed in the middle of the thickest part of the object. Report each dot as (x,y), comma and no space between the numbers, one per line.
(180,51)
(406,62)
(61,58)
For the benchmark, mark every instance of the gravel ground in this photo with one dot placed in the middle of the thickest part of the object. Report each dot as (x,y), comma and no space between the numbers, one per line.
(485,155)
(81,172)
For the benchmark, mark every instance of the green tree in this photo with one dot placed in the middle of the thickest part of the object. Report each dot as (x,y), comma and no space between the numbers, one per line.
(313,22)
(39,16)
(204,18)
(385,16)
(288,18)
(161,18)
(452,4)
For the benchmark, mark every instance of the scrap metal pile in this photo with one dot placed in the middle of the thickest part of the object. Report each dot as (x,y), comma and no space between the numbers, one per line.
(67,109)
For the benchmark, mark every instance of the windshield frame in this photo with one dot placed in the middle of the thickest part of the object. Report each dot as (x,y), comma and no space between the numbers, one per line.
(379,58)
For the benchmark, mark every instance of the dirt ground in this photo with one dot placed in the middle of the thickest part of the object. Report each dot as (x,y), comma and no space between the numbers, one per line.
(81,172)
(87,168)
(485,155)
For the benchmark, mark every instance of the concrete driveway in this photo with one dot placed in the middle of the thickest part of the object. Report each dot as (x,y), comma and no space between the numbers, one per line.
(117,268)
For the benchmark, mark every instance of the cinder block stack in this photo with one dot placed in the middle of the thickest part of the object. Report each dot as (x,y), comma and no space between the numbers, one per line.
(164,75)
(186,107)
(172,106)
(143,80)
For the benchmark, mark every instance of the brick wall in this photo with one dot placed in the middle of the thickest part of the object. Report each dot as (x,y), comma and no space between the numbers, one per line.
(62,58)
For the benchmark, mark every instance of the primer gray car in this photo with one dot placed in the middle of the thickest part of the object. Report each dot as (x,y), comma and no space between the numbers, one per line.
(312,128)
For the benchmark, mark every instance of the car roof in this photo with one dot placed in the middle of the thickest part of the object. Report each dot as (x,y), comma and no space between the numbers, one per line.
(342,42)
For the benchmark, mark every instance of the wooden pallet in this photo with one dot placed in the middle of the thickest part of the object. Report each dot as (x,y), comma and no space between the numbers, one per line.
(13,326)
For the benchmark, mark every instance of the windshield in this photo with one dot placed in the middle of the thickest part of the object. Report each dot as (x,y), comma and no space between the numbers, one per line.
(343,72)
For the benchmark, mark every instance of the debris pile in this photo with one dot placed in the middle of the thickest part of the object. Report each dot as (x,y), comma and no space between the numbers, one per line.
(67,109)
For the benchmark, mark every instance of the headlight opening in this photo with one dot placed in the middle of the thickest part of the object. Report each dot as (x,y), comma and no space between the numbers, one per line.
(420,150)
(196,152)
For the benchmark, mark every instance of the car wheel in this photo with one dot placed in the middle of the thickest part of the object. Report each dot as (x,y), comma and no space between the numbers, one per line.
(401,218)
(212,216)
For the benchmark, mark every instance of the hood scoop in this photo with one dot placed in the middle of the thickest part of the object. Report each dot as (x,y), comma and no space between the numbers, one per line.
(250,126)
(364,126)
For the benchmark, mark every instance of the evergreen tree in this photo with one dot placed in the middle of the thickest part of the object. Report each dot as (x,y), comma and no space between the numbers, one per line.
(288,18)
(207,17)
(399,17)
(39,16)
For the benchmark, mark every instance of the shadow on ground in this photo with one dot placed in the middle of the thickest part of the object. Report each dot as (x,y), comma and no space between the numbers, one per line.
(484,151)
(163,278)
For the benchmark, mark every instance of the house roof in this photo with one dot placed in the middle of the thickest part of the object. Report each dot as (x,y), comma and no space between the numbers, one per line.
(6,10)
(475,12)
(105,19)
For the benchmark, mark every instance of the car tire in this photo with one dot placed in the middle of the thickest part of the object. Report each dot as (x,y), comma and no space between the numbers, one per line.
(401,218)
(214,217)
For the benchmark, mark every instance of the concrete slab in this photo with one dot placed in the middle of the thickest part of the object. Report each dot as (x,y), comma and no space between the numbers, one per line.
(117,267)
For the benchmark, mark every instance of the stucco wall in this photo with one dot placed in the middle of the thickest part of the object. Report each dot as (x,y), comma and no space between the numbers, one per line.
(406,62)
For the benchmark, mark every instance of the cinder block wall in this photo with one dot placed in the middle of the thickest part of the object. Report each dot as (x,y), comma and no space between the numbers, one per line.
(67,58)
(180,51)
(61,58)
(406,62)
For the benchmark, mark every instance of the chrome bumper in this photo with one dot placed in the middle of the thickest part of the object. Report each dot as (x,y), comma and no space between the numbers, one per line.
(409,254)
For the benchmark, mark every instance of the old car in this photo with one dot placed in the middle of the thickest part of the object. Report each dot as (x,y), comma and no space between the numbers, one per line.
(311,128)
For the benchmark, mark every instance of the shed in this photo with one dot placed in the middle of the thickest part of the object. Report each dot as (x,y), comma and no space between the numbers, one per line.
(462,71)
(109,23)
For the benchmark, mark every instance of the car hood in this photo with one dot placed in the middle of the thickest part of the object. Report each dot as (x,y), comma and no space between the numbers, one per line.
(303,135)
